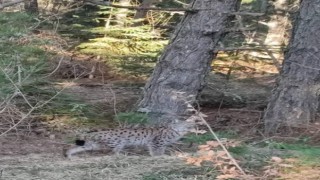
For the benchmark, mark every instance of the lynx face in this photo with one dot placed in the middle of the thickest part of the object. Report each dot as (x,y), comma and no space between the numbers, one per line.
(155,138)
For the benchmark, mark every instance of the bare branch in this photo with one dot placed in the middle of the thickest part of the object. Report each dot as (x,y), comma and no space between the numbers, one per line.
(274,59)
(221,144)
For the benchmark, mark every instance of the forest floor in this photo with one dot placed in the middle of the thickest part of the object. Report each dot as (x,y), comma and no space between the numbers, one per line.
(234,107)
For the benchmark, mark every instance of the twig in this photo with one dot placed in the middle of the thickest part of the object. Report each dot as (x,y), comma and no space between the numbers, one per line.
(16,87)
(274,59)
(16,124)
(30,111)
(61,59)
(114,104)
(221,144)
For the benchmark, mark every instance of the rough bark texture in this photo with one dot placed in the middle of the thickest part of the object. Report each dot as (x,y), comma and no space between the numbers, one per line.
(295,101)
(31,6)
(180,73)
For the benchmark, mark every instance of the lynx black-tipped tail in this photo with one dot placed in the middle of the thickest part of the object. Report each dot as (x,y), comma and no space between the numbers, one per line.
(80,142)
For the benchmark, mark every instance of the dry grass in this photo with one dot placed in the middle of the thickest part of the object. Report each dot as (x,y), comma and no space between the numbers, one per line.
(121,167)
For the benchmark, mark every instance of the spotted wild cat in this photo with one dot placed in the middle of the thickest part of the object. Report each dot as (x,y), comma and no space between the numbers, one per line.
(155,138)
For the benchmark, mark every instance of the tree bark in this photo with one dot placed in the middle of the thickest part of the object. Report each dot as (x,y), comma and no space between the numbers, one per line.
(295,101)
(31,6)
(181,70)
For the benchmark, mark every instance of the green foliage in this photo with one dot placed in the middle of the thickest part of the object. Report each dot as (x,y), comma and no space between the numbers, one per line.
(132,118)
(238,150)
(229,134)
(200,138)
(21,64)
(130,50)
(14,24)
(25,63)
(305,153)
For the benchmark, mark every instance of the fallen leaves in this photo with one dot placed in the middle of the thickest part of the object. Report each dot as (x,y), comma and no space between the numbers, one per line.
(277,164)
(211,152)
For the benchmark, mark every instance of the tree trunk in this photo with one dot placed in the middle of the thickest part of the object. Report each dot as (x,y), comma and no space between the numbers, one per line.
(31,6)
(180,73)
(295,101)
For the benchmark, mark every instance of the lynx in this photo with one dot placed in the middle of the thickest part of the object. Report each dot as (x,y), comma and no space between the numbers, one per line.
(156,139)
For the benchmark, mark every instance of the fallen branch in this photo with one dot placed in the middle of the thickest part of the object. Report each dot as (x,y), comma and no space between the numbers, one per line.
(221,145)
(4,5)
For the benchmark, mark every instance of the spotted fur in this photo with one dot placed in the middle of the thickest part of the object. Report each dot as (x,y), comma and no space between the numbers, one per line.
(155,138)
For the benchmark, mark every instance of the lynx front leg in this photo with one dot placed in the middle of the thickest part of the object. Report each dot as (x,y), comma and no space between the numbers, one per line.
(117,149)
(156,150)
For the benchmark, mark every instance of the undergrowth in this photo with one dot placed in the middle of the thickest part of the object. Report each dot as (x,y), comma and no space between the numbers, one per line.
(24,66)
(132,118)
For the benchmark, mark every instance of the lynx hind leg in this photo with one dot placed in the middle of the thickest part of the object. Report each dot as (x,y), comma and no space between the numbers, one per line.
(86,147)
(155,150)
(117,148)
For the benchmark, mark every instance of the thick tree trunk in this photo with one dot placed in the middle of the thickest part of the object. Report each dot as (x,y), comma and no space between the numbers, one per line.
(31,6)
(295,101)
(180,73)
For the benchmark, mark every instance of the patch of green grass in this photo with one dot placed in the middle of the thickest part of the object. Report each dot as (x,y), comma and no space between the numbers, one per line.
(305,153)
(200,138)
(229,134)
(256,157)
(132,118)
(14,24)
(239,150)
(21,63)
